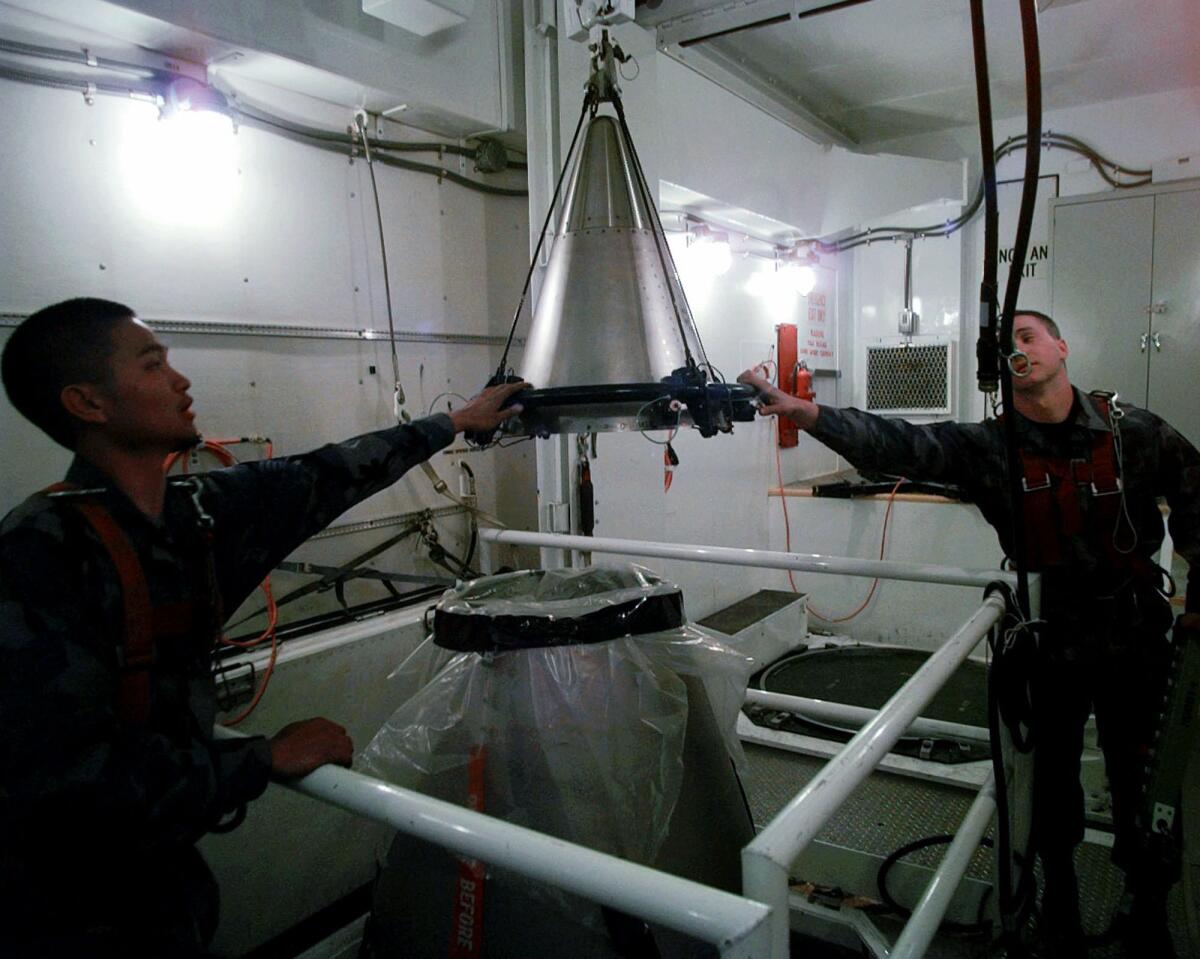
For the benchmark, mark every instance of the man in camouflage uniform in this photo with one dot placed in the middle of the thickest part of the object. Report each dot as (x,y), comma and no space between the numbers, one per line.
(109,771)
(1103,644)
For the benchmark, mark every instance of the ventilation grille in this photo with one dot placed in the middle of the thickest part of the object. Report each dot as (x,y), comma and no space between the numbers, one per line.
(909,379)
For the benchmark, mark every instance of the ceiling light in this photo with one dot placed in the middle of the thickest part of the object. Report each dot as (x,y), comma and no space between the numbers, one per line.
(708,251)
(181,168)
(184,95)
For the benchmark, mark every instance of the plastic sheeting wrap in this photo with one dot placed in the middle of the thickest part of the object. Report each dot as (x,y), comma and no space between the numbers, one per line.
(579,703)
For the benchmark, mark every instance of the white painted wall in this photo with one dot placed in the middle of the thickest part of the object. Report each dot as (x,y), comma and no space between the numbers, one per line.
(288,238)
(879,290)
(1137,132)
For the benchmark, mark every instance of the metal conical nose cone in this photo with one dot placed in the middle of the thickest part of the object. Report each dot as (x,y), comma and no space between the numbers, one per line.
(611,309)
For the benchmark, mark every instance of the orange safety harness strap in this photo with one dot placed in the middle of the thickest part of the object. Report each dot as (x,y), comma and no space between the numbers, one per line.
(137,650)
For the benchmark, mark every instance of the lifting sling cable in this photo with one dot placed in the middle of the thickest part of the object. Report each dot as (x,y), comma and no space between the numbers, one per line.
(589,105)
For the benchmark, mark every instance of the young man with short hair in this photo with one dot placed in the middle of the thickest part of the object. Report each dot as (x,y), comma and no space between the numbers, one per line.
(1094,471)
(113,589)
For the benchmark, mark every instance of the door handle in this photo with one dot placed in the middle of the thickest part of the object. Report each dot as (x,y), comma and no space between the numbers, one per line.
(1143,340)
(1157,340)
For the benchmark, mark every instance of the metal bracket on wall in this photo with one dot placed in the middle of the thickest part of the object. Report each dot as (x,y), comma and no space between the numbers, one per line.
(556,518)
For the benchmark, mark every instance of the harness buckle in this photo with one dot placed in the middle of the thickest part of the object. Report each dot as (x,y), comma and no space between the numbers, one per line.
(195,489)
(1033,489)
(1115,491)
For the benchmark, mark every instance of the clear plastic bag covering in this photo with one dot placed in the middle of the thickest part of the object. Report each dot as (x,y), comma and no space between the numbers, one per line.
(584,741)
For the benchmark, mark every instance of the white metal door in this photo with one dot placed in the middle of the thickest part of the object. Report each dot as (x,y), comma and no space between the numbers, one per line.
(1101,289)
(1174,340)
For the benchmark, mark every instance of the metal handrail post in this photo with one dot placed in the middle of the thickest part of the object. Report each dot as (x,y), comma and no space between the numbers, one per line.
(923,924)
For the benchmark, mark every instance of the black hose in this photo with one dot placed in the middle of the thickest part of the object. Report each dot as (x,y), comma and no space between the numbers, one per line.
(79,58)
(1033,98)
(1033,119)
(986,348)
(988,372)
(133,88)
(338,143)
(1049,139)
(980,927)
(310,136)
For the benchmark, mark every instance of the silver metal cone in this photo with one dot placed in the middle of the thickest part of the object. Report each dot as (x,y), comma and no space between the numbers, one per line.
(611,309)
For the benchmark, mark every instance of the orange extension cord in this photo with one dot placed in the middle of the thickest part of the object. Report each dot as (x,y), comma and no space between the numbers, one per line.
(219,449)
(787,525)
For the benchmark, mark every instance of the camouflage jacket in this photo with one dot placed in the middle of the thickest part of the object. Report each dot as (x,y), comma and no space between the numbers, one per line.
(74,781)
(1157,462)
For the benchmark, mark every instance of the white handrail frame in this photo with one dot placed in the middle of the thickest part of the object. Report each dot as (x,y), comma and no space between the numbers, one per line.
(756,925)
(767,860)
(736,925)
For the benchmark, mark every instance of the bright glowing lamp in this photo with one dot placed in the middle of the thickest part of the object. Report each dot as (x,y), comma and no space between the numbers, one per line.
(182,167)
(711,254)
(774,287)
(706,250)
(801,276)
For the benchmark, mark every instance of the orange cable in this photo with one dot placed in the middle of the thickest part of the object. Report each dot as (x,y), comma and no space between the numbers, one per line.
(787,523)
(882,546)
(272,620)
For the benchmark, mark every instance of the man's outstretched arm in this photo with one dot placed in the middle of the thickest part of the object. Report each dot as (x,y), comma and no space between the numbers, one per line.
(265,510)
(941,452)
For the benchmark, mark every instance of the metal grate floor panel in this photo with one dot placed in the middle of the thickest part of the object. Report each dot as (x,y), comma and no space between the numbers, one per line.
(888,811)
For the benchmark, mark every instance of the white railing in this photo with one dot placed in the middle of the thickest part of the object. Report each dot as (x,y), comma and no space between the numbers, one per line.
(758,924)
(923,924)
(842,714)
(736,926)
(767,861)
(760,558)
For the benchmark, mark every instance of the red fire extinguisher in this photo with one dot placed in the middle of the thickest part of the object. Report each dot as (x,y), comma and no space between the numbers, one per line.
(804,381)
